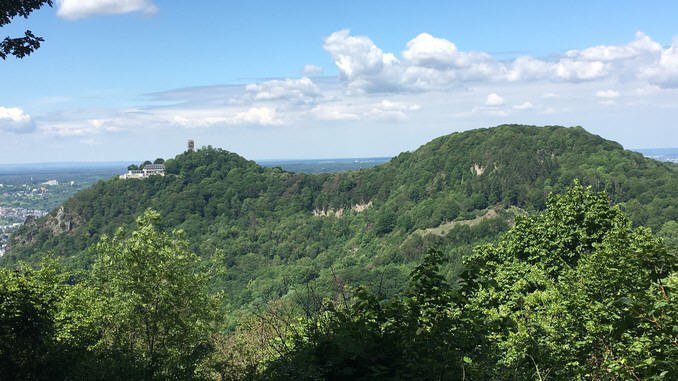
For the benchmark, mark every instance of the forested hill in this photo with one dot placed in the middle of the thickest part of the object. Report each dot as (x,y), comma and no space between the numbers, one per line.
(278,229)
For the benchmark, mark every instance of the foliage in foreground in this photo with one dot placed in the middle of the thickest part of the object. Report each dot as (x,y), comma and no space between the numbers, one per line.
(142,313)
(573,293)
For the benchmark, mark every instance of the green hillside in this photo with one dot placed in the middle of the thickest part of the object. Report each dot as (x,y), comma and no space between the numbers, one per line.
(279,230)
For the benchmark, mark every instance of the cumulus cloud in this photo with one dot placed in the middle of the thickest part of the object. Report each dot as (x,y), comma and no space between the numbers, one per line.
(311,70)
(375,86)
(362,65)
(301,90)
(642,45)
(431,63)
(439,53)
(664,70)
(77,9)
(494,100)
(13,119)
(608,94)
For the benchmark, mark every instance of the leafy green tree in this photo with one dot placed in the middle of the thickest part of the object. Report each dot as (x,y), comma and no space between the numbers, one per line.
(27,330)
(159,312)
(20,47)
(132,167)
(159,161)
(416,336)
(575,293)
(46,325)
(669,232)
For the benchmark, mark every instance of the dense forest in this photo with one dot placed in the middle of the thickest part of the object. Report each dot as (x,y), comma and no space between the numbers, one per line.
(449,262)
(573,292)
(278,231)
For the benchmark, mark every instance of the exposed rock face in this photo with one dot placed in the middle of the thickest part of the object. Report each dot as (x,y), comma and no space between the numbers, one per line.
(477,169)
(58,223)
(61,223)
(329,212)
(360,207)
(340,211)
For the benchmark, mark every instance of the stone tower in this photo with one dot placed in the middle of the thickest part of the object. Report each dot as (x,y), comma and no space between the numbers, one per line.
(191,145)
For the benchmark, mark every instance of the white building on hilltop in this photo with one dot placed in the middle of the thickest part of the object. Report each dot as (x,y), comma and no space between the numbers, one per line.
(146,171)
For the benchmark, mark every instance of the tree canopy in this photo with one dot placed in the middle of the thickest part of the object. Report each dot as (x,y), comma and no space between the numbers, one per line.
(143,312)
(572,293)
(280,231)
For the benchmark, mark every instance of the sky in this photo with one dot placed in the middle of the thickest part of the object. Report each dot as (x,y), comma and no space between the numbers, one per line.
(135,79)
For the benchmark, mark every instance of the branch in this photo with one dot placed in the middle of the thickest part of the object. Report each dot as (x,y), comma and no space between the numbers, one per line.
(20,47)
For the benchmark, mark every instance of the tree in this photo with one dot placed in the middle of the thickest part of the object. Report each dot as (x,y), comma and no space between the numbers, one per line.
(416,336)
(132,167)
(159,161)
(575,293)
(22,46)
(669,232)
(46,324)
(160,313)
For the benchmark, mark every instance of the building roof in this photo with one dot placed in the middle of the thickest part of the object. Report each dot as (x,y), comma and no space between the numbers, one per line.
(154,166)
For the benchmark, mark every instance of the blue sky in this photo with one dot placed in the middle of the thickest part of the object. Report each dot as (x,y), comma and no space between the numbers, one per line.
(133,79)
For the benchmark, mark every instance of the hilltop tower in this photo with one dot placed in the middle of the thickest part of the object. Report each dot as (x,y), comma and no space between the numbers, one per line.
(191,145)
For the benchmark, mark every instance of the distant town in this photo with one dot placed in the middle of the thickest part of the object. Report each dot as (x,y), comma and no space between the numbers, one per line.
(34,190)
(11,219)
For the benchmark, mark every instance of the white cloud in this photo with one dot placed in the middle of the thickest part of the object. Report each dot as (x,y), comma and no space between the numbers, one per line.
(13,119)
(431,64)
(664,70)
(362,65)
(376,88)
(77,9)
(642,45)
(387,110)
(528,68)
(85,127)
(428,63)
(333,112)
(497,112)
(398,106)
(199,118)
(311,70)
(301,90)
(264,116)
(608,94)
(439,53)
(572,70)
(209,117)
(524,106)
(494,100)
